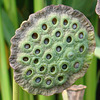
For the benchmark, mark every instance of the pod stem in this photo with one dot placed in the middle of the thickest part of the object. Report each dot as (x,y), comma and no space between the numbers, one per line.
(15,90)
(65,95)
(75,92)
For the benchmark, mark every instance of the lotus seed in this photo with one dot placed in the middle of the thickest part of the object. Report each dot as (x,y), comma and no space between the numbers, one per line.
(76,65)
(81,35)
(69,39)
(58,34)
(81,48)
(46,41)
(37,80)
(37,51)
(41,68)
(48,56)
(34,35)
(48,82)
(44,26)
(52,69)
(25,58)
(54,21)
(58,48)
(70,54)
(60,78)
(27,46)
(29,72)
(36,61)
(74,26)
(64,66)
(65,22)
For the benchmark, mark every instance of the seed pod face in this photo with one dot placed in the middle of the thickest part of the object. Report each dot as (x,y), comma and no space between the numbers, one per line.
(52,49)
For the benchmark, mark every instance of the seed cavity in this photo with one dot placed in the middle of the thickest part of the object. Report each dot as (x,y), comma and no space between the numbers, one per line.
(58,48)
(48,56)
(81,49)
(35,61)
(52,69)
(38,80)
(69,39)
(46,41)
(54,21)
(44,26)
(34,35)
(48,82)
(42,68)
(64,66)
(70,54)
(29,72)
(58,34)
(65,22)
(37,51)
(27,46)
(76,65)
(25,58)
(74,26)
(81,35)
(60,78)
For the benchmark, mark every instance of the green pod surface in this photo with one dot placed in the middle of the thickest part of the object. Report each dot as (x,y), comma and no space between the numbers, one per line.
(52,49)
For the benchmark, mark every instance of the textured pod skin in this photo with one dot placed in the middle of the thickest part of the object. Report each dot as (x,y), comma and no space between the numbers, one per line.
(75,92)
(97,9)
(51,50)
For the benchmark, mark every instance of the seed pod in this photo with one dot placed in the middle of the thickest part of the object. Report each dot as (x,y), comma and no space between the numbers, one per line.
(51,50)
(75,92)
(97,9)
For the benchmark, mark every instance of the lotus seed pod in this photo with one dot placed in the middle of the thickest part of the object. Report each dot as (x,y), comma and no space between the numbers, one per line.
(51,50)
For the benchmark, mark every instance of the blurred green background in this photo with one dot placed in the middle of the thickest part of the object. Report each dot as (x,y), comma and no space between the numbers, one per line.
(12,13)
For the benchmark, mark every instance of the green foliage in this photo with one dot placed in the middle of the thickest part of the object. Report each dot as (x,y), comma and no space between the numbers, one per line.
(12,13)
(97,52)
(4,76)
(8,27)
(86,6)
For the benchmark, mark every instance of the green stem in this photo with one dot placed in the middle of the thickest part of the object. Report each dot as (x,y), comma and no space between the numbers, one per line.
(41,97)
(59,2)
(6,4)
(15,90)
(21,97)
(26,95)
(31,97)
(91,81)
(5,82)
(80,81)
(65,95)
(38,5)
(90,77)
(54,2)
(10,6)
(60,97)
(97,52)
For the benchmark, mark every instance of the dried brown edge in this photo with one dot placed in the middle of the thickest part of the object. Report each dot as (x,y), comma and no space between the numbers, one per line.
(76,87)
(97,9)
(25,25)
